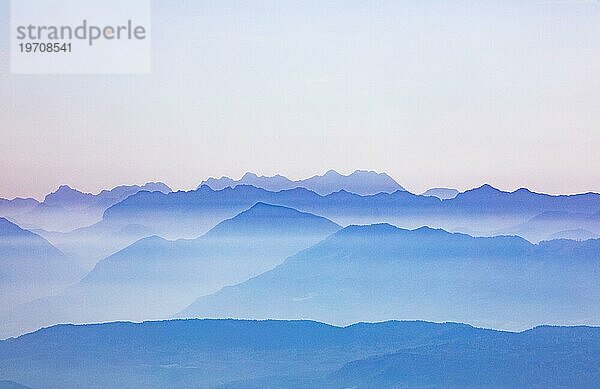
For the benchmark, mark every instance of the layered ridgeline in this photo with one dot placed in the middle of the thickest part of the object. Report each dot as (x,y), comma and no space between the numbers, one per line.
(30,267)
(302,354)
(361,182)
(155,277)
(67,209)
(189,214)
(88,245)
(481,211)
(380,272)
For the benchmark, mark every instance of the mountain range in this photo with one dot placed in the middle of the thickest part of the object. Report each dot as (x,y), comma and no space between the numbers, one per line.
(381,272)
(67,208)
(481,211)
(155,277)
(300,354)
(360,182)
(335,249)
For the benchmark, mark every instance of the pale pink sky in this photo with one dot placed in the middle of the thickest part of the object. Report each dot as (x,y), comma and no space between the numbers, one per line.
(432,93)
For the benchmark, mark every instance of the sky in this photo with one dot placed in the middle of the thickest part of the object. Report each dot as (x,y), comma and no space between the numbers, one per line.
(434,93)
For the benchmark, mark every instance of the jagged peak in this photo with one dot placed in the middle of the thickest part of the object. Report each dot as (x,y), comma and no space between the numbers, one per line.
(248,175)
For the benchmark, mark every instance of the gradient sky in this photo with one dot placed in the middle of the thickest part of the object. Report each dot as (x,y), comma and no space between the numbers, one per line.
(435,94)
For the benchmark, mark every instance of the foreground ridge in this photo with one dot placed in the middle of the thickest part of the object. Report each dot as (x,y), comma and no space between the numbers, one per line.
(233,353)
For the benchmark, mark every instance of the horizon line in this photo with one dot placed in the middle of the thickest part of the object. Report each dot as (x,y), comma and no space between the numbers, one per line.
(202,183)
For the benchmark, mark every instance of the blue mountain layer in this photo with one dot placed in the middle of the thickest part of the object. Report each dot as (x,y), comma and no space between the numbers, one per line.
(300,354)
(67,209)
(380,272)
(480,211)
(361,182)
(155,277)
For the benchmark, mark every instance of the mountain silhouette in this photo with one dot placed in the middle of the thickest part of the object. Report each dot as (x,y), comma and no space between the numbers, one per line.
(300,354)
(360,182)
(69,198)
(380,272)
(67,209)
(482,211)
(442,193)
(152,277)
(30,267)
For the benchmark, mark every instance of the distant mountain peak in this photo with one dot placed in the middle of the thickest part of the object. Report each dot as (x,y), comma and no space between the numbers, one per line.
(275,218)
(65,193)
(262,208)
(154,186)
(272,212)
(362,182)
(523,190)
(248,175)
(441,193)
(485,190)
(488,188)
(332,172)
(64,187)
(365,172)
(429,230)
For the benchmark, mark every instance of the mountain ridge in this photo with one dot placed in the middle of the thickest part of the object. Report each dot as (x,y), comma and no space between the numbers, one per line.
(381,272)
(484,210)
(299,354)
(362,182)
(148,278)
(67,209)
